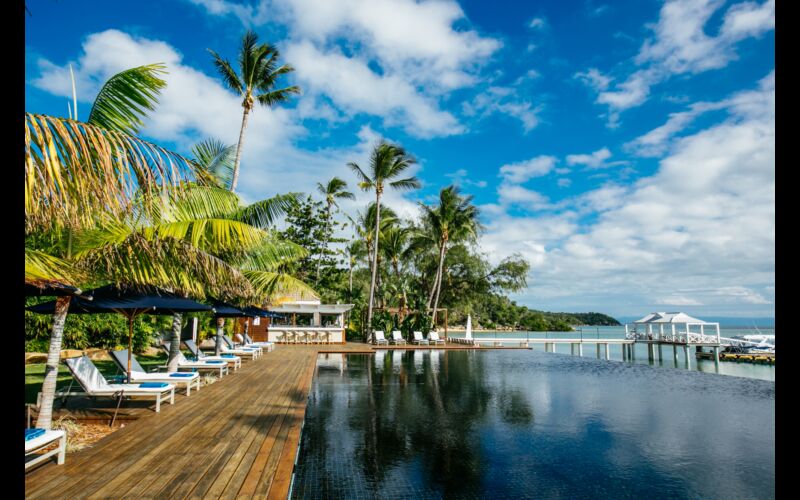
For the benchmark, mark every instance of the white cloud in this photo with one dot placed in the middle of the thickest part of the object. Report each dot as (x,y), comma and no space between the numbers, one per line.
(522,171)
(657,141)
(513,194)
(505,100)
(564,182)
(355,88)
(706,217)
(594,160)
(537,23)
(678,300)
(680,45)
(594,79)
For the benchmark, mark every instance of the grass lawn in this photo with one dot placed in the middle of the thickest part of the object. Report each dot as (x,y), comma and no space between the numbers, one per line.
(34,373)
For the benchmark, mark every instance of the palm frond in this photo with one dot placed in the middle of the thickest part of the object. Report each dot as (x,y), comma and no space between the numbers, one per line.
(165,262)
(278,95)
(228,74)
(42,268)
(268,284)
(410,183)
(74,170)
(262,214)
(366,181)
(127,97)
(217,158)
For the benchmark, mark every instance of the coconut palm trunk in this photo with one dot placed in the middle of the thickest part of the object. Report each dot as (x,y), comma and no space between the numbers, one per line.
(440,275)
(374,263)
(45,418)
(175,342)
(218,344)
(236,161)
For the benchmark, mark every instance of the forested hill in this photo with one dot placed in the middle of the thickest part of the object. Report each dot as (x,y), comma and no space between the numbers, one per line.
(589,319)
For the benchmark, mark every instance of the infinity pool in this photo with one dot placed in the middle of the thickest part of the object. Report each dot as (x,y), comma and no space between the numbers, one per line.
(524,424)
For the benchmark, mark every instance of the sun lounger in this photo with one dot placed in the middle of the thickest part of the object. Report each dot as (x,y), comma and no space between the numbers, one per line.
(227,348)
(239,345)
(379,338)
(433,338)
(397,338)
(139,374)
(210,365)
(231,359)
(95,385)
(418,339)
(36,439)
(268,346)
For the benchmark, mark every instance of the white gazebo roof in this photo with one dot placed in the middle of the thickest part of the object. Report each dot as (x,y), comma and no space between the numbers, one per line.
(672,317)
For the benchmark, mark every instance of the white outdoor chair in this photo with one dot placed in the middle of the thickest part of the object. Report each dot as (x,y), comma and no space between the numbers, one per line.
(95,385)
(139,374)
(268,346)
(215,365)
(230,359)
(39,440)
(433,337)
(397,338)
(380,339)
(419,340)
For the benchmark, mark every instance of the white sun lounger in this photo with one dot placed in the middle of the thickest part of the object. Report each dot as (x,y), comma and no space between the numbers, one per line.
(210,365)
(37,443)
(419,339)
(227,348)
(231,344)
(94,384)
(269,346)
(433,338)
(379,338)
(397,338)
(231,359)
(139,374)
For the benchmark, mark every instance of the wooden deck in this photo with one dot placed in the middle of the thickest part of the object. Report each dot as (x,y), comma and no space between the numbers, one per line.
(237,437)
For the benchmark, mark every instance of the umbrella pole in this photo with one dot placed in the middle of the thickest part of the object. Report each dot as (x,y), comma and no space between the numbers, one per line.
(130,344)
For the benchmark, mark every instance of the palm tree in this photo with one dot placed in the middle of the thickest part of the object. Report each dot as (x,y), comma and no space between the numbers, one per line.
(258,73)
(395,248)
(74,170)
(455,219)
(335,189)
(387,162)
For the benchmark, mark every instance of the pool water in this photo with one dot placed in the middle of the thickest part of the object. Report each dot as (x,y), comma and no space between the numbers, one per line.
(526,424)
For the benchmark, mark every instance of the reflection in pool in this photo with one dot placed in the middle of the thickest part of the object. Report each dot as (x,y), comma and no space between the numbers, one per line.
(501,424)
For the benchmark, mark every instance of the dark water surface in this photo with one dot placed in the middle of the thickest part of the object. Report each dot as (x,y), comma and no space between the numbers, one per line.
(524,424)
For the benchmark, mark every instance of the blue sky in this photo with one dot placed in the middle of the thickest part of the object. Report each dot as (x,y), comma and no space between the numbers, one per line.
(625,149)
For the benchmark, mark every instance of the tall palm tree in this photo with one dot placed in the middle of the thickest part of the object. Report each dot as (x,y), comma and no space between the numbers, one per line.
(258,73)
(387,162)
(395,248)
(455,219)
(335,189)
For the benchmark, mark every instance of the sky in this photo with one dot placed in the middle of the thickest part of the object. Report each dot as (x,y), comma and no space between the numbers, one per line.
(625,149)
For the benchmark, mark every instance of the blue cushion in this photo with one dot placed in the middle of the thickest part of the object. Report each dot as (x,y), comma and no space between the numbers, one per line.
(228,355)
(153,385)
(181,374)
(215,361)
(33,433)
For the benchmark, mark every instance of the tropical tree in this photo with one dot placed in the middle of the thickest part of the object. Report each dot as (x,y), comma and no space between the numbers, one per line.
(335,189)
(387,163)
(74,170)
(455,219)
(395,248)
(256,80)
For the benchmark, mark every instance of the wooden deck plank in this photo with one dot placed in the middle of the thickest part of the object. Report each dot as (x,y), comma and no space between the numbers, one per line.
(236,437)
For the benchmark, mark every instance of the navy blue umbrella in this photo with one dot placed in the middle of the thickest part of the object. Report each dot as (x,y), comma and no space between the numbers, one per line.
(128,301)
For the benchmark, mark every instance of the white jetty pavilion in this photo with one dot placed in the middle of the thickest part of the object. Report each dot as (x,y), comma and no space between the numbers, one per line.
(308,322)
(675,328)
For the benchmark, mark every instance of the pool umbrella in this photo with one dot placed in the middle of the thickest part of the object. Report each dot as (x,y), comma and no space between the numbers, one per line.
(130,302)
